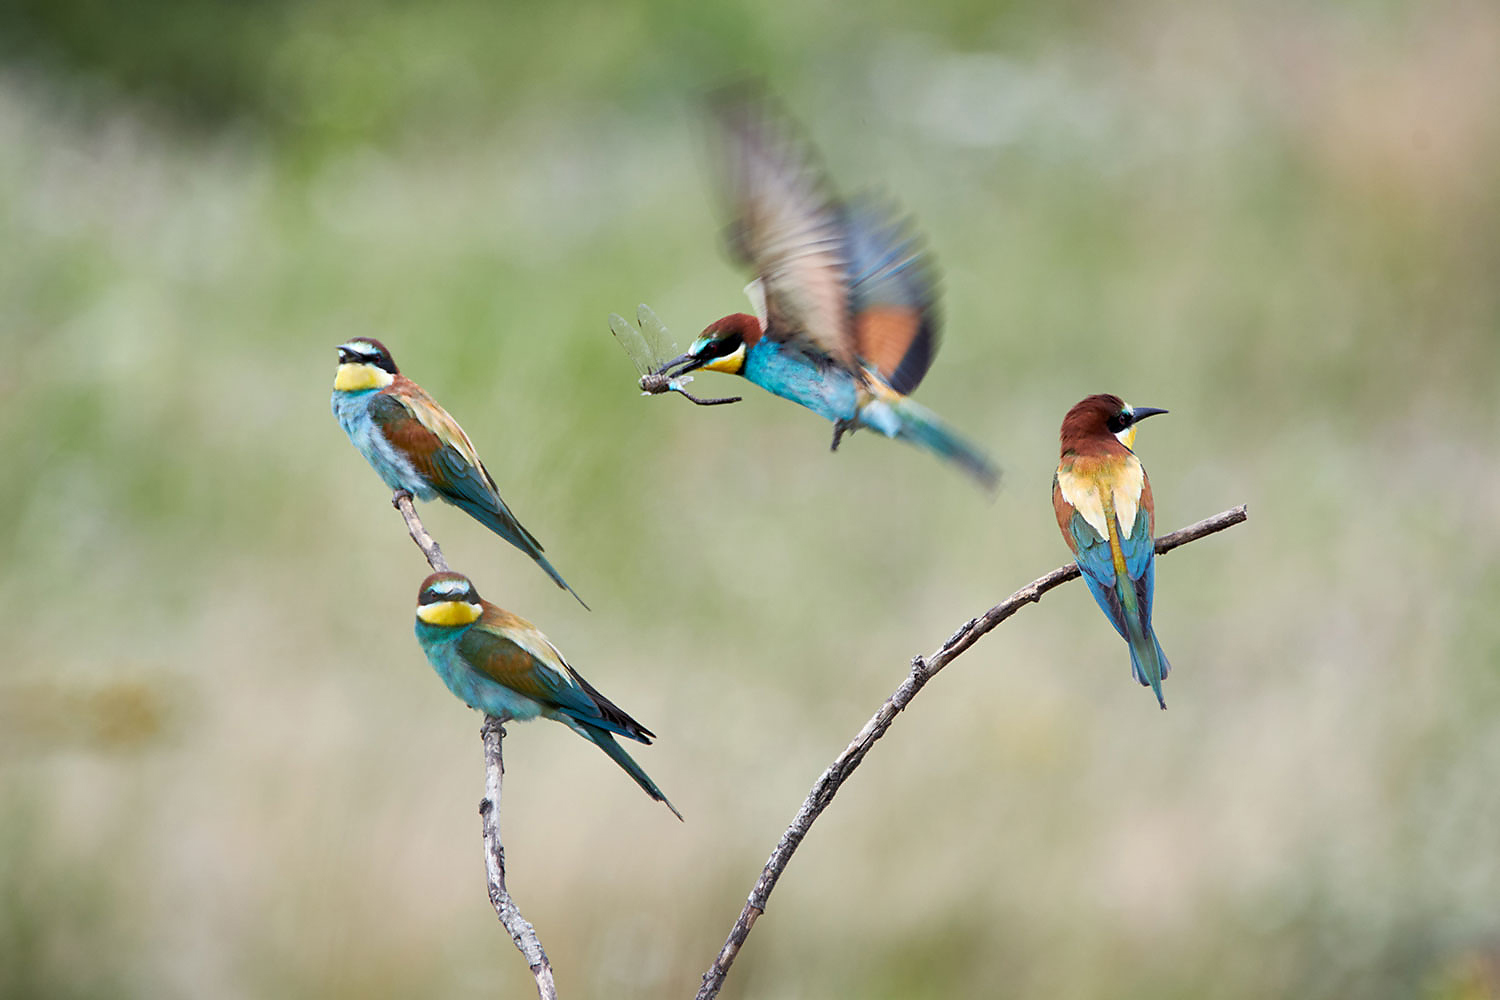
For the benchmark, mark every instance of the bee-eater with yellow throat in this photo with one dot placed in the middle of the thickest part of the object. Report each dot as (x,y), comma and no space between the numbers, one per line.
(415,445)
(503,665)
(1104,507)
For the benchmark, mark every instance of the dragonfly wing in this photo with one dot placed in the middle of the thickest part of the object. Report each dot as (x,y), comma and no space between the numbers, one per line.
(633,343)
(655,333)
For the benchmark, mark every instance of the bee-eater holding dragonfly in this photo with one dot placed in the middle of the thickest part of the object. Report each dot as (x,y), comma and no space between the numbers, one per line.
(503,665)
(647,351)
(1103,503)
(846,297)
(414,445)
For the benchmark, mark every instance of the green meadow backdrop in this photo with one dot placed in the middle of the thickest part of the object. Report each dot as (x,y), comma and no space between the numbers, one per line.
(227,771)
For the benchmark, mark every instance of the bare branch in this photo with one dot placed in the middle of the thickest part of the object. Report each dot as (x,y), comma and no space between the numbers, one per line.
(492,732)
(521,931)
(401,500)
(922,671)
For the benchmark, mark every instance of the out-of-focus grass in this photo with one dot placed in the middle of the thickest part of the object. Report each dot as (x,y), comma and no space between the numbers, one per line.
(1279,223)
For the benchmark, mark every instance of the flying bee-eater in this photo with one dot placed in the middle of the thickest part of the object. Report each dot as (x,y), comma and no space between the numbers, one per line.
(1103,503)
(414,445)
(503,665)
(845,293)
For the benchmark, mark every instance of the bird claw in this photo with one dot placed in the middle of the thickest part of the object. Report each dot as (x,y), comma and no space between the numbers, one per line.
(398,495)
(840,428)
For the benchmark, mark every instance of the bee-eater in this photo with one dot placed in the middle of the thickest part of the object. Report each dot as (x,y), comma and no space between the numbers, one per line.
(1103,503)
(503,665)
(846,296)
(416,446)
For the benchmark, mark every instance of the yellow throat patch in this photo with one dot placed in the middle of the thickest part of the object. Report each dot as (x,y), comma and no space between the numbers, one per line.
(449,613)
(359,377)
(730,364)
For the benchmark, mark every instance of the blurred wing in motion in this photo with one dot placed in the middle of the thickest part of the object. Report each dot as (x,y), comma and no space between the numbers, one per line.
(893,292)
(786,226)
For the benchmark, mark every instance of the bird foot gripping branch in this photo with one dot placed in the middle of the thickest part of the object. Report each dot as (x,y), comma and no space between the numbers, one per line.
(651,349)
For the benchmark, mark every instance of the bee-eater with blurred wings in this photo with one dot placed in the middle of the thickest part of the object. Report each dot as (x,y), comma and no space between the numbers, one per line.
(1103,503)
(416,446)
(845,294)
(503,665)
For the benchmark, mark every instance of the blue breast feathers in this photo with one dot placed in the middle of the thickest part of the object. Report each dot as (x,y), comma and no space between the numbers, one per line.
(819,385)
(353,412)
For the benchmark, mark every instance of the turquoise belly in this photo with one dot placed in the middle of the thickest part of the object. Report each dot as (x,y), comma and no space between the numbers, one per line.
(352,410)
(827,390)
(475,689)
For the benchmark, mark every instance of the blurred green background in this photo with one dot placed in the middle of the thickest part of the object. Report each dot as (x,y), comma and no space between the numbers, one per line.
(226,769)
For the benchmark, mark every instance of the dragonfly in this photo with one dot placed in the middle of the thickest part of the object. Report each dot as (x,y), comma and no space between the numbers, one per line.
(651,347)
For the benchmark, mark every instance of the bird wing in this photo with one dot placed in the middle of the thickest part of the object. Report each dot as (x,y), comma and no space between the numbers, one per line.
(1093,555)
(514,653)
(787,226)
(893,292)
(442,453)
(1140,551)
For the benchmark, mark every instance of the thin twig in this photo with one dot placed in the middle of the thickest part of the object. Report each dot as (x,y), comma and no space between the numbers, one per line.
(521,931)
(491,732)
(401,500)
(922,671)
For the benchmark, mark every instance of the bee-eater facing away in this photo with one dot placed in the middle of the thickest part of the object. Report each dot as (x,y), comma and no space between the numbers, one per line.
(416,446)
(845,294)
(1103,503)
(503,665)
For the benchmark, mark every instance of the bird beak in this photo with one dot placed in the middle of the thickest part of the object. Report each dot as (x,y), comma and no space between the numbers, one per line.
(681,365)
(1140,413)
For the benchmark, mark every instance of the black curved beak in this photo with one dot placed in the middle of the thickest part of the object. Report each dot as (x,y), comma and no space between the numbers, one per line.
(682,364)
(1140,413)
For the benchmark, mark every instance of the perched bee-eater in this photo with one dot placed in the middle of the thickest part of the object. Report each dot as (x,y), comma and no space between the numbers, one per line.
(1103,503)
(416,446)
(846,297)
(502,665)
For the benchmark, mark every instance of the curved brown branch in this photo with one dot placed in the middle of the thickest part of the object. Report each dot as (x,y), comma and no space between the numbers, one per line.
(401,500)
(492,732)
(922,671)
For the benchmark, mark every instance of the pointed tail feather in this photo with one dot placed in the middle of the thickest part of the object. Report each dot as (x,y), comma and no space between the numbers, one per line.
(541,561)
(1148,663)
(604,741)
(504,524)
(925,429)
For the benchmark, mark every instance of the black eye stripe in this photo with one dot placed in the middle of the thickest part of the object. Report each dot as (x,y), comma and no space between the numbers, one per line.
(440,597)
(348,356)
(1118,422)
